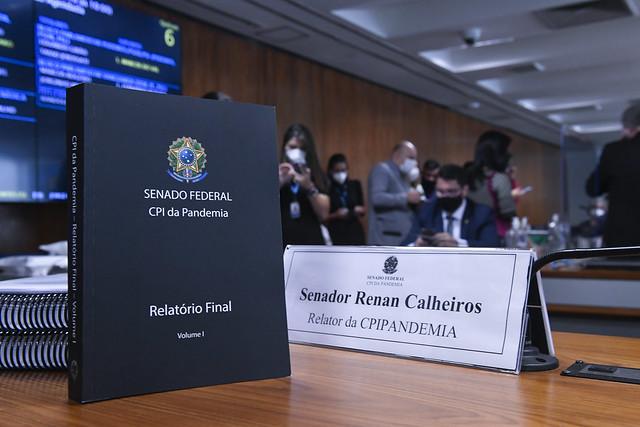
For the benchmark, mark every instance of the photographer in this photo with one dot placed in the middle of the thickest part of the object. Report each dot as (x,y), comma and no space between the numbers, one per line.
(304,203)
(347,204)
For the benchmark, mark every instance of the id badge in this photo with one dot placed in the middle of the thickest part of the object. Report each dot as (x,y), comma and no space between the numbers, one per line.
(294,210)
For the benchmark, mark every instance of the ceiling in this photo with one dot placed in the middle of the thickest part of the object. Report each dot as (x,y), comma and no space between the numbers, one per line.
(540,68)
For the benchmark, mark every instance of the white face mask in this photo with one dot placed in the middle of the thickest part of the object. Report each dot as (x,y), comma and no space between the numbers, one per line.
(408,165)
(413,174)
(296,156)
(340,177)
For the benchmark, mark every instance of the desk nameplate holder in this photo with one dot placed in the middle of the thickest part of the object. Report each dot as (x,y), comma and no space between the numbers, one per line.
(459,306)
(581,369)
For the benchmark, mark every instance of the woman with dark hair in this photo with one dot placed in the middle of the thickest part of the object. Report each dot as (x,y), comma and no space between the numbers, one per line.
(489,183)
(347,204)
(304,204)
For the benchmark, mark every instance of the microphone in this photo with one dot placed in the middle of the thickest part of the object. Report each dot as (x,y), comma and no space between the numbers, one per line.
(534,358)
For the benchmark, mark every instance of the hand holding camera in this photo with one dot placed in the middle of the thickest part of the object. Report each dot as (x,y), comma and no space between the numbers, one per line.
(302,175)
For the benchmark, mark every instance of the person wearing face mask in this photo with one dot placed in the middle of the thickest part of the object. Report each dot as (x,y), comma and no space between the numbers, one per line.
(347,204)
(453,220)
(391,196)
(304,203)
(588,233)
(429,173)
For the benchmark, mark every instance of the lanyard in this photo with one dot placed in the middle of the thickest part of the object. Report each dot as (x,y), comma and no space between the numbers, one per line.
(343,196)
(294,188)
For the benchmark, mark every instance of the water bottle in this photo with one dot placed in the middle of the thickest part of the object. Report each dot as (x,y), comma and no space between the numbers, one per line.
(556,240)
(525,228)
(511,238)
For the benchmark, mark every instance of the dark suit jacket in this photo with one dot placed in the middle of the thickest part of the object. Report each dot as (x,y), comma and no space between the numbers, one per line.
(389,216)
(478,224)
(619,175)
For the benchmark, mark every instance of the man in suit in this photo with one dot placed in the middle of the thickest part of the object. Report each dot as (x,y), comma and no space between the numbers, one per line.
(618,175)
(390,196)
(452,219)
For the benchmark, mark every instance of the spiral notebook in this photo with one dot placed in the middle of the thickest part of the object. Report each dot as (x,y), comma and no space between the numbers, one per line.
(33,350)
(33,323)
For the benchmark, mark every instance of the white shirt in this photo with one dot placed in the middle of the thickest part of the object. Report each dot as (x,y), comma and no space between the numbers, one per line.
(457,223)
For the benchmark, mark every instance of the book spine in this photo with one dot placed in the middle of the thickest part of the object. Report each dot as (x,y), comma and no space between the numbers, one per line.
(33,311)
(33,350)
(75,182)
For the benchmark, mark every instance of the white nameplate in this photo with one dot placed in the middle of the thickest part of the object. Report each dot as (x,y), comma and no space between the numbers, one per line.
(462,306)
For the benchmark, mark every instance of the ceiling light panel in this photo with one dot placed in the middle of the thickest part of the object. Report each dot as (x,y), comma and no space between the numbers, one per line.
(403,18)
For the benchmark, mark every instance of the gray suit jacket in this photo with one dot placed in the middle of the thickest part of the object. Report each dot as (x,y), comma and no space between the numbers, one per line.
(389,216)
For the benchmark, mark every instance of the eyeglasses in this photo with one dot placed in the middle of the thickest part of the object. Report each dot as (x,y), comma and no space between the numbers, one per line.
(448,193)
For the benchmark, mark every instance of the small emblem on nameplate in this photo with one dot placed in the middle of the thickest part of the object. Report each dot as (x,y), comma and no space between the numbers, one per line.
(390,265)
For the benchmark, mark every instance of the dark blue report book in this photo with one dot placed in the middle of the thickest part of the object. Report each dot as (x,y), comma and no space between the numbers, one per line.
(175,246)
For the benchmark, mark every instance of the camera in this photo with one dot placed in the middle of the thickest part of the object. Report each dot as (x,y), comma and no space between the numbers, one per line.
(300,167)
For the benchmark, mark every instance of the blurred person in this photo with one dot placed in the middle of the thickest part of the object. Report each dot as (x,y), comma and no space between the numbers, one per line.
(452,219)
(617,175)
(304,203)
(516,190)
(218,95)
(391,196)
(429,173)
(489,183)
(588,233)
(347,204)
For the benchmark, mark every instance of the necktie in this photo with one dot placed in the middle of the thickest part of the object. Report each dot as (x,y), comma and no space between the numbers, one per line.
(450,224)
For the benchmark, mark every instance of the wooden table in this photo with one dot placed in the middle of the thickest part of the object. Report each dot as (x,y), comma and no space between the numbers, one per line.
(331,386)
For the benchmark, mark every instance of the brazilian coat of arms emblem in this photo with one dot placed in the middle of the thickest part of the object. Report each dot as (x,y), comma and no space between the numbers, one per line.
(186,160)
(390,265)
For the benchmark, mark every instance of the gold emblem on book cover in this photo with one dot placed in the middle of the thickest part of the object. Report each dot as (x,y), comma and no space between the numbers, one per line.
(186,160)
